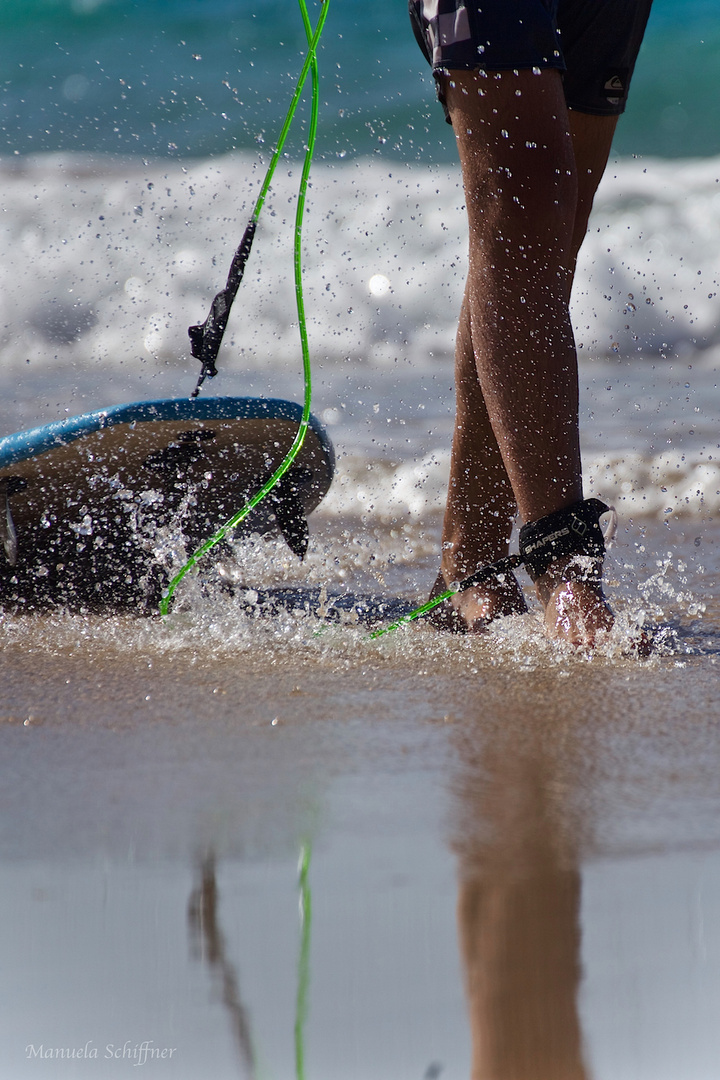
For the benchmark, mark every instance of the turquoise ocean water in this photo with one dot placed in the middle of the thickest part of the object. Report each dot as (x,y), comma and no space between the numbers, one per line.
(203,77)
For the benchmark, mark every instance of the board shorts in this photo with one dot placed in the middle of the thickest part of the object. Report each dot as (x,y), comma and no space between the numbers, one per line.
(594,43)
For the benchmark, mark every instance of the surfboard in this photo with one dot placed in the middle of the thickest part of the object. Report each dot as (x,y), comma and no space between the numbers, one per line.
(328,605)
(94,508)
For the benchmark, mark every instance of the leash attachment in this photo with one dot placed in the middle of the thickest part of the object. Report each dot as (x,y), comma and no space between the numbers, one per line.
(288,520)
(573,531)
(206,338)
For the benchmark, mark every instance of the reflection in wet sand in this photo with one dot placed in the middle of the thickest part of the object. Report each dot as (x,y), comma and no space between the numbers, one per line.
(518,910)
(207,943)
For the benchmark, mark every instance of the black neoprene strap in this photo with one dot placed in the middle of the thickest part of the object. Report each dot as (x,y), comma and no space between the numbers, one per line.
(573,531)
(206,338)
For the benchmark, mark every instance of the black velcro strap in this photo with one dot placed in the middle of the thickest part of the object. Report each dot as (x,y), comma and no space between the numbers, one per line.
(573,531)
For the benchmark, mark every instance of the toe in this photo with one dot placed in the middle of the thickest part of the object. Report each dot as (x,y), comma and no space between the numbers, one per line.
(577,612)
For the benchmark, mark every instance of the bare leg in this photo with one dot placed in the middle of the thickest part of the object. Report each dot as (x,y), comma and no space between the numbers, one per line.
(480,507)
(528,199)
(592,138)
(521,194)
(576,611)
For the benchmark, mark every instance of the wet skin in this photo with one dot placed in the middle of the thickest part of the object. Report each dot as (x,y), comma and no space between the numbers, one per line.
(530,171)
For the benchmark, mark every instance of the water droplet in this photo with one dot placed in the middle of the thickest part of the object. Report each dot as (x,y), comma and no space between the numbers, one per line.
(85,527)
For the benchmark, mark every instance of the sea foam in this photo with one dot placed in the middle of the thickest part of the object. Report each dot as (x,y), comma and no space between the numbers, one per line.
(107,262)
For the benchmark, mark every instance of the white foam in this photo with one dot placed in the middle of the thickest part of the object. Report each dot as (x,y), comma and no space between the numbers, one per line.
(649,269)
(670,483)
(107,263)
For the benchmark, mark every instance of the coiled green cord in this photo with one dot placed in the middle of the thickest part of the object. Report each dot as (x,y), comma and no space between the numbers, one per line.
(301,1003)
(310,65)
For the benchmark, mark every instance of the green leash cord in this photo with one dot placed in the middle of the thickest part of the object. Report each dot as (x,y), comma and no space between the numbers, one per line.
(484,574)
(301,1004)
(310,65)
(413,615)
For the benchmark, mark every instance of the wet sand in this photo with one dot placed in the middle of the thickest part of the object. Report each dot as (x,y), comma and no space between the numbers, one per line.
(514,849)
(514,866)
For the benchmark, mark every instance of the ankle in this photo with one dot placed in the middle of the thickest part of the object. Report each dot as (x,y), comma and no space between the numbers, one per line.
(566,545)
(472,610)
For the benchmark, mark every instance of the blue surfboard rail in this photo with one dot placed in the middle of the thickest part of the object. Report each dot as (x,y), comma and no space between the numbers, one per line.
(28,444)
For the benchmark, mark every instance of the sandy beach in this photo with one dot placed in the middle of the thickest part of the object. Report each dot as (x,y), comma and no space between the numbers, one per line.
(474,809)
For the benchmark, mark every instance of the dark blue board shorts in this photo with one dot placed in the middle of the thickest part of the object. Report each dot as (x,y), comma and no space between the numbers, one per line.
(593,42)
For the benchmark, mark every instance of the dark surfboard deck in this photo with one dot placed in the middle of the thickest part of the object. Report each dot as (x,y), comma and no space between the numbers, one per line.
(92,508)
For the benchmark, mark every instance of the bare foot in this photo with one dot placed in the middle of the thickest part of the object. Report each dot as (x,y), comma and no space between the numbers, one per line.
(471,612)
(576,610)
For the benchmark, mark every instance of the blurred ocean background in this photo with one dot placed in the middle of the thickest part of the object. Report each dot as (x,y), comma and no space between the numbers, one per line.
(194,78)
(133,139)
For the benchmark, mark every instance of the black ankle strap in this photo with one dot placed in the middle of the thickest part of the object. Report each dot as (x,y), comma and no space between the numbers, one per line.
(573,531)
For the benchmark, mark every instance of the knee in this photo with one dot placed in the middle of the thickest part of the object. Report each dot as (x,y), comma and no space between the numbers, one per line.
(529,205)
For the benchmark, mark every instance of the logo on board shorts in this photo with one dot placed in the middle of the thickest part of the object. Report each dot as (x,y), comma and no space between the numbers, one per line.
(615,87)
